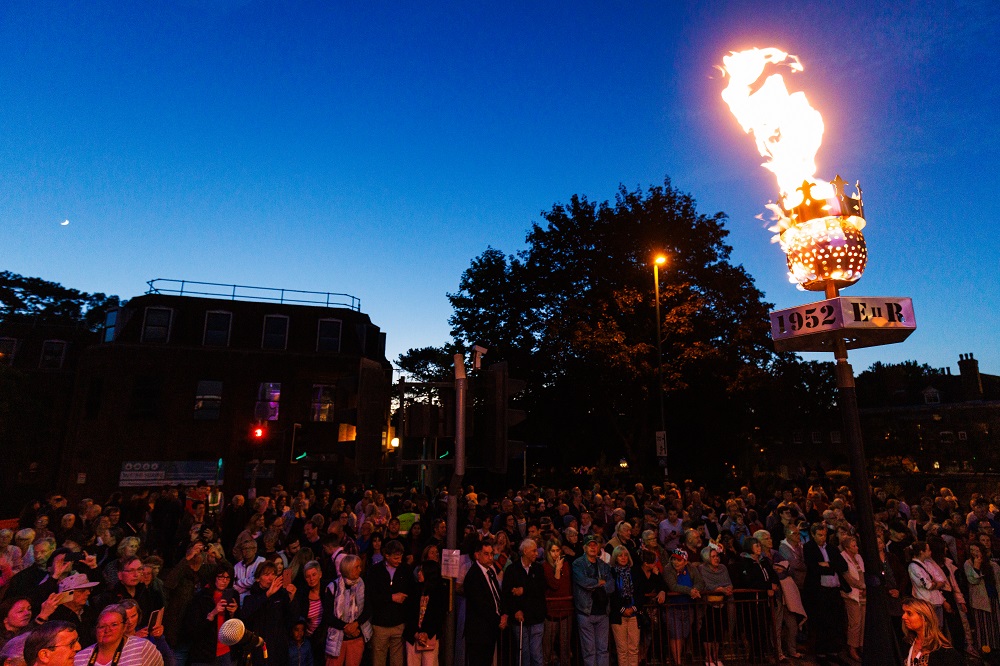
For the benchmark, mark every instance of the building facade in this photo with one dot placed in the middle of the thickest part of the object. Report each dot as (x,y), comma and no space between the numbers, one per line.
(252,389)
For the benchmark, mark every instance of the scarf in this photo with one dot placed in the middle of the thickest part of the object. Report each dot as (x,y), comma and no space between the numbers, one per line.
(348,602)
(623,580)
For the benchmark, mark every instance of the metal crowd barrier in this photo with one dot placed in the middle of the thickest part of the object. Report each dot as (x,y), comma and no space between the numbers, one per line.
(739,629)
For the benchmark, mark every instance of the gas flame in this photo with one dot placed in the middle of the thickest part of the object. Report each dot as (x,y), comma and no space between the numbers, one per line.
(816,223)
(787,129)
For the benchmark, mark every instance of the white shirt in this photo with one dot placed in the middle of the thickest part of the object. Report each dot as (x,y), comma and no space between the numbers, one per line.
(922,574)
(829,580)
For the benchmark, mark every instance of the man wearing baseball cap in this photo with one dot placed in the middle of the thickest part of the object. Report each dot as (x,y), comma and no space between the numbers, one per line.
(592,588)
(70,605)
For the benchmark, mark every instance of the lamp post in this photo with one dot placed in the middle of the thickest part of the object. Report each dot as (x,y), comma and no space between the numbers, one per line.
(658,261)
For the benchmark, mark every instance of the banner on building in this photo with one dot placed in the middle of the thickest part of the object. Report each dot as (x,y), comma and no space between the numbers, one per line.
(168,472)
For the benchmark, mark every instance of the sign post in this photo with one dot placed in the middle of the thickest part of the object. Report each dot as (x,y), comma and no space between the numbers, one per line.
(661,450)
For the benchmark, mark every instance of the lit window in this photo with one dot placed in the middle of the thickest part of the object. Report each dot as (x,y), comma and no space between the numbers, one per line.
(53,355)
(208,400)
(328,335)
(217,327)
(156,326)
(268,399)
(110,325)
(275,332)
(322,402)
(7,348)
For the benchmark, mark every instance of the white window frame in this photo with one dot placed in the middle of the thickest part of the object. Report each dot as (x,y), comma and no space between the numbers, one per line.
(62,358)
(229,330)
(263,330)
(340,338)
(170,324)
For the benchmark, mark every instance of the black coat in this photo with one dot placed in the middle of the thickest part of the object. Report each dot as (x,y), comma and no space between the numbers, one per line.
(271,619)
(532,601)
(203,633)
(757,575)
(482,622)
(437,608)
(379,589)
(813,557)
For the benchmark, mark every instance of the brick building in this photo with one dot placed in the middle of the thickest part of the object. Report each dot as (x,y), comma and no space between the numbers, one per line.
(179,378)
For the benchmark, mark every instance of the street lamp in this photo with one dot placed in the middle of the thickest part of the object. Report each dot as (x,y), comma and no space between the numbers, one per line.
(658,261)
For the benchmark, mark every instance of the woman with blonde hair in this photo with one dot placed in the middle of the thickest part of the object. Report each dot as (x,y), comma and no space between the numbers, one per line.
(928,646)
(625,608)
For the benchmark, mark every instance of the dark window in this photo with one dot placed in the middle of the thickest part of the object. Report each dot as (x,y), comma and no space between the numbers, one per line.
(53,355)
(328,335)
(268,399)
(156,327)
(95,392)
(7,348)
(217,327)
(322,402)
(275,332)
(208,400)
(145,403)
(110,324)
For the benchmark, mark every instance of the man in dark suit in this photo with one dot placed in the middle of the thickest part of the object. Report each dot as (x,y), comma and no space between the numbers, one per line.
(387,586)
(484,616)
(821,594)
(524,588)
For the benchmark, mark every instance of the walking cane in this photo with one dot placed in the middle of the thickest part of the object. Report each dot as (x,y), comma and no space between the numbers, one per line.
(520,646)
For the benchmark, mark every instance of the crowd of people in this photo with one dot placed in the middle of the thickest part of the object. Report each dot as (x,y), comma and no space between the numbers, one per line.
(586,575)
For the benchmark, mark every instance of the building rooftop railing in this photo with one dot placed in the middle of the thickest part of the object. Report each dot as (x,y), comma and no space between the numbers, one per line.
(242,292)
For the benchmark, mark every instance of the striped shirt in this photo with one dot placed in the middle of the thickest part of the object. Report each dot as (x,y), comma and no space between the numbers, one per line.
(137,652)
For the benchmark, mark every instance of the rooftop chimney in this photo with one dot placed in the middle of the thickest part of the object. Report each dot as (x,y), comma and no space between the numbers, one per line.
(972,383)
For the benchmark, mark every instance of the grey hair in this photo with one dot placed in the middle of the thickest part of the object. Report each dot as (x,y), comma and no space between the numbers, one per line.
(347,563)
(528,543)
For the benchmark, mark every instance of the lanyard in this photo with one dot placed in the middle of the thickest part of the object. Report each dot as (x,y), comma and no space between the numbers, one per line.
(114,659)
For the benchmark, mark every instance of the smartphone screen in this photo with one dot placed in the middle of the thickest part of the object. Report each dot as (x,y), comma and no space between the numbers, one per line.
(286,576)
(156,618)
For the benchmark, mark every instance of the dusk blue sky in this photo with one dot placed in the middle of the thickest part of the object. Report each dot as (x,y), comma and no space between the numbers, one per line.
(375,148)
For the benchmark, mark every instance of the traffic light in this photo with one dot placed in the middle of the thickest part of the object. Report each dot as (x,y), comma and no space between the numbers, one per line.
(500,417)
(258,434)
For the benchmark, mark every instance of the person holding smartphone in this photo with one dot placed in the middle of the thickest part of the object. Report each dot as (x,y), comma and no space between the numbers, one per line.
(211,607)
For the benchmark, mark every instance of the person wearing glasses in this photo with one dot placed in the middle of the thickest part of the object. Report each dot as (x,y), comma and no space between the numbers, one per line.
(54,644)
(114,648)
(210,608)
(130,586)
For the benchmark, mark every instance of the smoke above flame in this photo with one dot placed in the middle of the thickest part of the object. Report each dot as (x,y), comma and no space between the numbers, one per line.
(788,131)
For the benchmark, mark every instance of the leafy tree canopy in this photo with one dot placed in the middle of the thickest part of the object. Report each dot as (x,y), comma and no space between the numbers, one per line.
(573,313)
(51,303)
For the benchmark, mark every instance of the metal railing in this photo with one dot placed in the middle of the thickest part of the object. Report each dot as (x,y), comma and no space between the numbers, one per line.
(242,292)
(739,629)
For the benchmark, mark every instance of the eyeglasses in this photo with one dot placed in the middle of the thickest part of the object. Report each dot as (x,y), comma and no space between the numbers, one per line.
(109,627)
(75,643)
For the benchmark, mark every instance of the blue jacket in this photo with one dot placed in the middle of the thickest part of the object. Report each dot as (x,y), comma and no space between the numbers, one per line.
(585,581)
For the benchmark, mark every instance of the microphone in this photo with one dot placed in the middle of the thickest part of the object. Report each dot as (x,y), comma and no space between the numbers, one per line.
(235,634)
